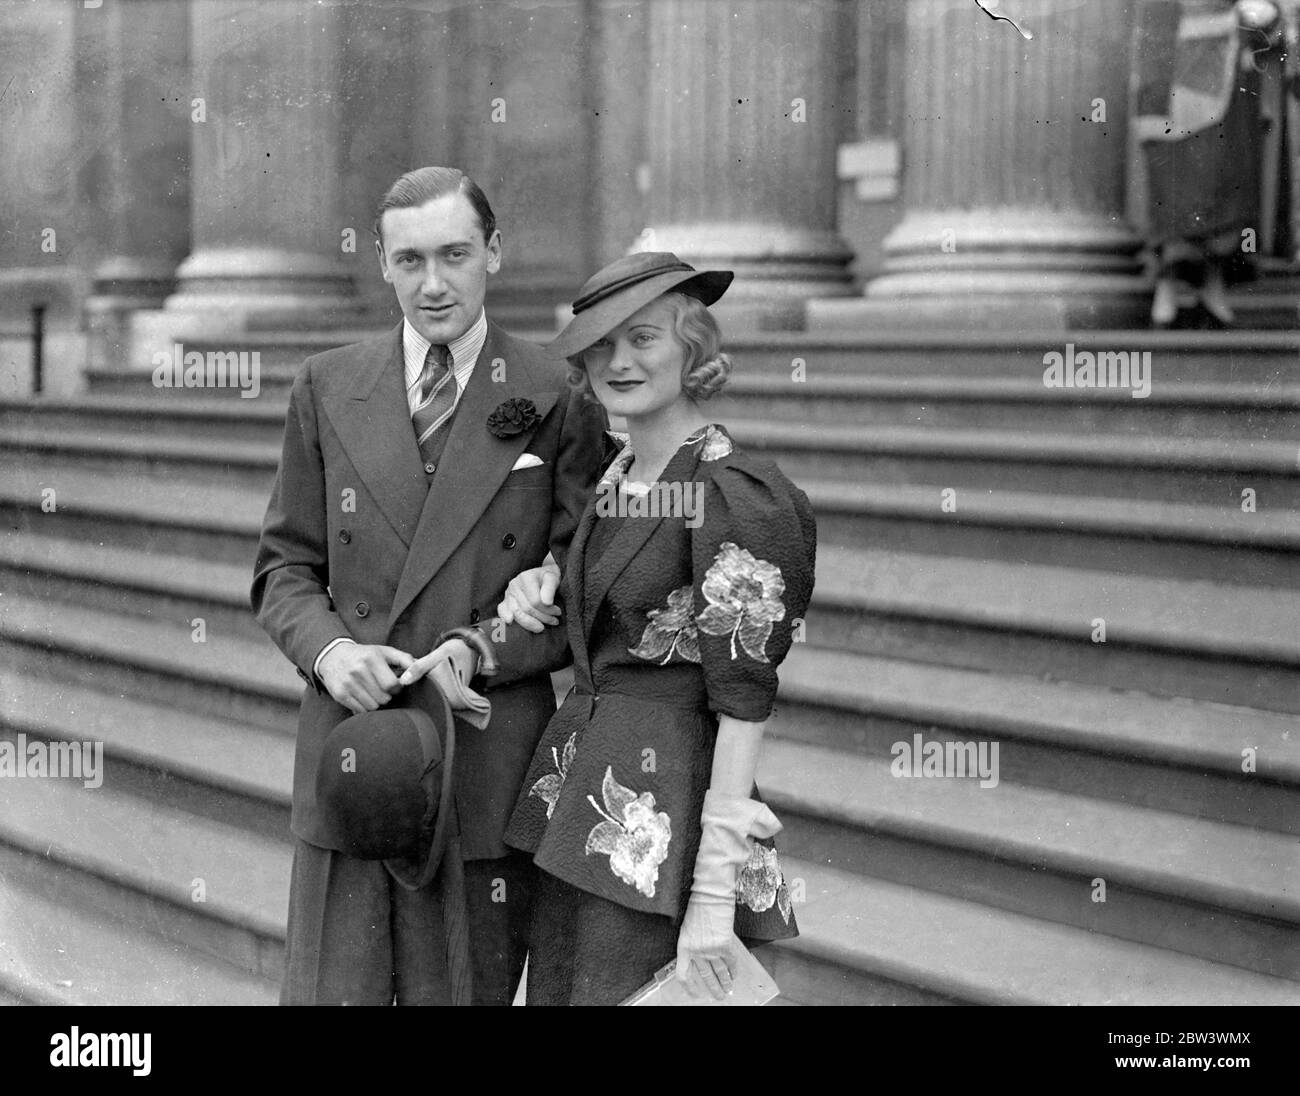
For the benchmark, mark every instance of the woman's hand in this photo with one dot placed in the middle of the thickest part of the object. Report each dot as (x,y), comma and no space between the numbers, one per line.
(529,600)
(707,946)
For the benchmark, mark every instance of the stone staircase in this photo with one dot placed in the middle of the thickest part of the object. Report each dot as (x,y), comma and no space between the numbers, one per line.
(1119,761)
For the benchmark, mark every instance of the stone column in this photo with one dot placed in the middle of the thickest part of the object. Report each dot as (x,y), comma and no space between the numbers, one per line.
(48,233)
(619,95)
(1014,161)
(507,100)
(744,122)
(380,125)
(139,184)
(269,234)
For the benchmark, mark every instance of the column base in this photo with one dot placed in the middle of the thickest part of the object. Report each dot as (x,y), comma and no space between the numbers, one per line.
(121,287)
(778,269)
(1072,310)
(989,269)
(260,289)
(228,292)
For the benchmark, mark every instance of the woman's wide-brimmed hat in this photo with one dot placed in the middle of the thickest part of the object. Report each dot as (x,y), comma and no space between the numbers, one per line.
(626,286)
(385,784)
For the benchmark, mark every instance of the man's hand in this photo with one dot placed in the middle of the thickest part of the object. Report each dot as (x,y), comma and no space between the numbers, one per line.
(359,675)
(529,600)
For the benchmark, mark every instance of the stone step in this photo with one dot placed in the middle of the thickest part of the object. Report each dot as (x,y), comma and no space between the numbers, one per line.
(869,941)
(213,886)
(143,584)
(60,950)
(280,354)
(202,764)
(1230,645)
(1200,887)
(180,414)
(140,582)
(1177,356)
(1206,409)
(1174,755)
(1163,539)
(244,680)
(1205,471)
(1159,538)
(201,521)
(1188,470)
(284,348)
(230,464)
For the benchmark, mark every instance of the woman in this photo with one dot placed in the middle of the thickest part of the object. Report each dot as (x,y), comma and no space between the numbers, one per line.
(690,570)
(1213,99)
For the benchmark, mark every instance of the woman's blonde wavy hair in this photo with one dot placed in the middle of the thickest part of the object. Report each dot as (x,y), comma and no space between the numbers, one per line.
(706,368)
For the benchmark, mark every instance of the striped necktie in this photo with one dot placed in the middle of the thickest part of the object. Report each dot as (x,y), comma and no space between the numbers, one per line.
(438,392)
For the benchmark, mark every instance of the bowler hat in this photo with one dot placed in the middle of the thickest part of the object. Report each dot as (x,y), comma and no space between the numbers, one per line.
(384,784)
(626,286)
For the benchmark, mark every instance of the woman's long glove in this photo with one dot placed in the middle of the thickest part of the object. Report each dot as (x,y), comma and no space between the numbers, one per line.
(705,944)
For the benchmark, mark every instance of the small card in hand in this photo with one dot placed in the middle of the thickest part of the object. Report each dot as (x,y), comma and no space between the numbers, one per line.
(750,985)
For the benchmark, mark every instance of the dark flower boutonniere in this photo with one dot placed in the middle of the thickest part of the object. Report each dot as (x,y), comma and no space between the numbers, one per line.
(512,417)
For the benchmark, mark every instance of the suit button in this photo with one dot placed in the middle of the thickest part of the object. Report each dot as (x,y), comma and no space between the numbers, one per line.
(363,609)
(508,541)
(473,616)
(345,537)
(430,467)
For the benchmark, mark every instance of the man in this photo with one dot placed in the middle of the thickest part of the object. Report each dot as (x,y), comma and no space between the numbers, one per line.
(420,471)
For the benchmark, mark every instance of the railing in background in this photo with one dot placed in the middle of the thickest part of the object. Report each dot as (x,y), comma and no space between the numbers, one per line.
(38,348)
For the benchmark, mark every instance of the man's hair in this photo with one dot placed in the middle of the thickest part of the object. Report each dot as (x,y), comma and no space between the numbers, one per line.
(424,184)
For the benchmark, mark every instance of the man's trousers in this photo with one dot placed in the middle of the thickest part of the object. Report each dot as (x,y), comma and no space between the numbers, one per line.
(358,937)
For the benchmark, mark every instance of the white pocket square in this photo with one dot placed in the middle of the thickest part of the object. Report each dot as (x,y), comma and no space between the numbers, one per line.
(527,460)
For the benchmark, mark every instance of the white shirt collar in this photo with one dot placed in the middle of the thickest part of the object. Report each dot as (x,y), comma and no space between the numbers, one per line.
(464,351)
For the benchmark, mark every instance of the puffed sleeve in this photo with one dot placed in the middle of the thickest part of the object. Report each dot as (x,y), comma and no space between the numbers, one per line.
(753,556)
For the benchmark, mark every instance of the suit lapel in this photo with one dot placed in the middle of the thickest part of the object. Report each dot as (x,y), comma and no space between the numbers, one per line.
(631,536)
(373,423)
(474,463)
(575,586)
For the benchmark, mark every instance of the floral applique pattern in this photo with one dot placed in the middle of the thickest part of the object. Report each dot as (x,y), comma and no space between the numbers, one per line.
(744,596)
(760,883)
(634,835)
(548,788)
(715,444)
(671,630)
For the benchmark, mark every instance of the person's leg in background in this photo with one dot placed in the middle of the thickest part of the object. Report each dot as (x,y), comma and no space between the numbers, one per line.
(339,945)
(499,902)
(586,950)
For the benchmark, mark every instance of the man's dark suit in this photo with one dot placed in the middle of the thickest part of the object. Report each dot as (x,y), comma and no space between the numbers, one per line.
(359,541)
